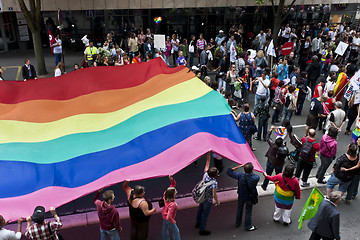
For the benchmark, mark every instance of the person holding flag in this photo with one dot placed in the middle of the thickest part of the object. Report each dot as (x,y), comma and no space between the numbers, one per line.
(326,222)
(56,48)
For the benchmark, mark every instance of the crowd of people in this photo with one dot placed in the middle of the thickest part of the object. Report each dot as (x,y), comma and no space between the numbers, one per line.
(279,87)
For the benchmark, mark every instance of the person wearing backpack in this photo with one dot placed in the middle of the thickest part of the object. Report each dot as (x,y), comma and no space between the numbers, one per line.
(262,111)
(276,155)
(286,189)
(246,193)
(210,192)
(328,148)
(307,157)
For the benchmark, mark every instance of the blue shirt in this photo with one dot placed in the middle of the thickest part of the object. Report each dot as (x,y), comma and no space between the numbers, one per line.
(181,60)
(252,180)
(282,74)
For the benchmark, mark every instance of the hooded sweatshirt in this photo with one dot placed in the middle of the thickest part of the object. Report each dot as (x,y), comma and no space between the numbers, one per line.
(328,146)
(108,215)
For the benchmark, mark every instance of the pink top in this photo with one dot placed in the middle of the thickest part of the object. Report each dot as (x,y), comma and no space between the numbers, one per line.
(169,211)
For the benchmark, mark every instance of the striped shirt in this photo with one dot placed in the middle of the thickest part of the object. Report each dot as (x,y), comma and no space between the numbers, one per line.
(201,44)
(41,231)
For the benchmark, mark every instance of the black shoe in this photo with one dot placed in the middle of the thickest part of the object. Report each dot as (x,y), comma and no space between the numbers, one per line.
(237,225)
(252,228)
(197,225)
(287,224)
(277,221)
(321,182)
(204,232)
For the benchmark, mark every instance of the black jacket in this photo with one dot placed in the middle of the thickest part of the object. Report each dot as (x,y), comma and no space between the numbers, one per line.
(313,70)
(25,72)
(326,221)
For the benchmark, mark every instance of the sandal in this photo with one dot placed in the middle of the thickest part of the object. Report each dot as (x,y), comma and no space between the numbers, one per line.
(253,149)
(347,132)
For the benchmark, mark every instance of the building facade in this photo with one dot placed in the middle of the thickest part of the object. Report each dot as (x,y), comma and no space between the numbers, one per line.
(185,17)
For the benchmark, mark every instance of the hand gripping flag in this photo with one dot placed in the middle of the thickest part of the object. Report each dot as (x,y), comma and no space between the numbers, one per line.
(62,138)
(311,206)
(51,40)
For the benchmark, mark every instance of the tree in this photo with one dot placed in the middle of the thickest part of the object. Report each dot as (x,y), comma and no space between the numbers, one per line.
(280,15)
(33,18)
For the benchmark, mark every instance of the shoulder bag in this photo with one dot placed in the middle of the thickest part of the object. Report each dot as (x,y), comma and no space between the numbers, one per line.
(288,186)
(253,199)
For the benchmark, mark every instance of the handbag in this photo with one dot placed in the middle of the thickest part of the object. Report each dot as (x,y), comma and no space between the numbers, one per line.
(60,237)
(292,107)
(253,198)
(253,128)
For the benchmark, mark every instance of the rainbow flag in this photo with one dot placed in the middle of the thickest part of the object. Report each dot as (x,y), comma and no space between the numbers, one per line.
(62,138)
(355,135)
(283,198)
(280,131)
(339,88)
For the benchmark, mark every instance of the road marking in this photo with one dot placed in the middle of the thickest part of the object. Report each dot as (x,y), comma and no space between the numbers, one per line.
(299,126)
(18,72)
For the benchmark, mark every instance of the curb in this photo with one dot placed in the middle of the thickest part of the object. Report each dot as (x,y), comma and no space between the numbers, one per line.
(90,218)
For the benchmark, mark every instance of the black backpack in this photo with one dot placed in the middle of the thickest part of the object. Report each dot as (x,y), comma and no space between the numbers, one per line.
(305,152)
(282,153)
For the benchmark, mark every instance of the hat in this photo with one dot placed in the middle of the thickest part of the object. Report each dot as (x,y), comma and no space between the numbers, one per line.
(221,31)
(39,214)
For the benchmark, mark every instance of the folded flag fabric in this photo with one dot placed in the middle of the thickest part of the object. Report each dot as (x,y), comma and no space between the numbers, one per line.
(65,137)
(340,84)
(311,206)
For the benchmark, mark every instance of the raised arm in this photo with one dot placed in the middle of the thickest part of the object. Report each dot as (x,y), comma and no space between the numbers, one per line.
(127,189)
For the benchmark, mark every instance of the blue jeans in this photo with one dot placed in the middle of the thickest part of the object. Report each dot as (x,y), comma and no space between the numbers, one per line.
(257,99)
(248,212)
(165,230)
(191,61)
(262,127)
(112,234)
(352,190)
(286,115)
(57,58)
(269,170)
(203,214)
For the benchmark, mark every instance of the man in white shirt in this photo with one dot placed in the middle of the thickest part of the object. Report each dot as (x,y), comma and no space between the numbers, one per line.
(262,88)
(316,43)
(7,234)
(355,45)
(286,34)
(57,49)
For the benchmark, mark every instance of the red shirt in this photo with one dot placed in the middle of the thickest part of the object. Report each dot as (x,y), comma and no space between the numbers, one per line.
(315,148)
(316,93)
(329,103)
(274,83)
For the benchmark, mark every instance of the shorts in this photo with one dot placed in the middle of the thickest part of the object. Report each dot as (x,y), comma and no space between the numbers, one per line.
(312,121)
(333,181)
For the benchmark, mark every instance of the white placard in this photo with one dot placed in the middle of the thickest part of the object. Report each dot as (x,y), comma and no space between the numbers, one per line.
(357,98)
(341,48)
(159,41)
